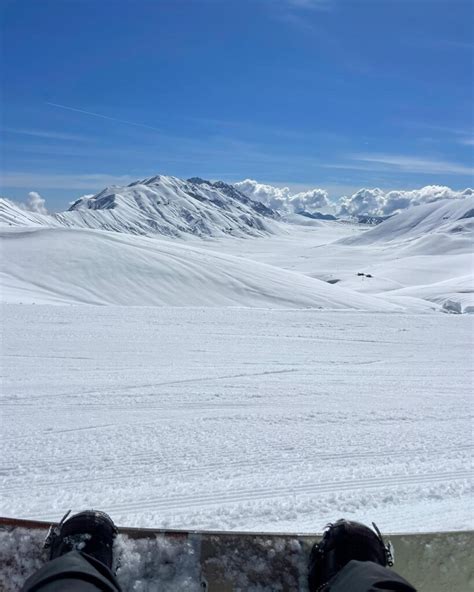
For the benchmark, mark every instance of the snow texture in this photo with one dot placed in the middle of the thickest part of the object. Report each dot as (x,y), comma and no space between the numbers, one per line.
(243,419)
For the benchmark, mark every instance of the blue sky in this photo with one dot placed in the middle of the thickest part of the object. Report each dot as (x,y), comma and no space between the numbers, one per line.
(338,94)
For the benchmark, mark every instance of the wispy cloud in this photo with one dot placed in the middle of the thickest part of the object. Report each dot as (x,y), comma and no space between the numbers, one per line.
(46,134)
(446,129)
(417,165)
(459,135)
(403,163)
(64,181)
(102,116)
(310,4)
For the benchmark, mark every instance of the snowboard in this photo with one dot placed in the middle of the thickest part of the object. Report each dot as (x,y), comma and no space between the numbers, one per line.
(158,560)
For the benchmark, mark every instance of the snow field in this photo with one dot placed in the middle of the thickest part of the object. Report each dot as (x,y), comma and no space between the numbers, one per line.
(420,260)
(416,261)
(244,419)
(65,266)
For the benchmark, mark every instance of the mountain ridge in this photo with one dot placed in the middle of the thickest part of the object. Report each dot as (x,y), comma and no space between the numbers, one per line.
(159,205)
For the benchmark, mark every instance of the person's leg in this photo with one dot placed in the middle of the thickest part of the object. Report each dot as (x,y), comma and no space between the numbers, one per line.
(366,576)
(81,556)
(74,572)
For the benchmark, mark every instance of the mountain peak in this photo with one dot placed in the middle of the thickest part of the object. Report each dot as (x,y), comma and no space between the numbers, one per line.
(172,207)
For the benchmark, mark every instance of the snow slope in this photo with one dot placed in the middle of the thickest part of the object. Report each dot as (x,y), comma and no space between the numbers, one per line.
(159,205)
(450,216)
(95,267)
(455,295)
(432,249)
(244,419)
(12,215)
(420,259)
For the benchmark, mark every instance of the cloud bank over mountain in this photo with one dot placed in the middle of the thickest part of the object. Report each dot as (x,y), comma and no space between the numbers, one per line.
(375,202)
(364,202)
(283,200)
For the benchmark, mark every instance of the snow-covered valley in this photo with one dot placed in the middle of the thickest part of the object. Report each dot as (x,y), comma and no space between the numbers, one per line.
(273,382)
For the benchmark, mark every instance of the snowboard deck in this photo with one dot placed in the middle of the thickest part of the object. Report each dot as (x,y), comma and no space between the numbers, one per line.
(156,560)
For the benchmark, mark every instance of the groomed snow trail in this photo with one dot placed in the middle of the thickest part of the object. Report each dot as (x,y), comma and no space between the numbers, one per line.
(245,419)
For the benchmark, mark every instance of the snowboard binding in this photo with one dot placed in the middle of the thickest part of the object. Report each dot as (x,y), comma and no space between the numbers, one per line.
(342,542)
(89,532)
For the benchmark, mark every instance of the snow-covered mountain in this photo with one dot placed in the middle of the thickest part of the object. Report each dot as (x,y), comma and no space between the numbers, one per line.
(424,253)
(451,217)
(418,259)
(11,214)
(421,259)
(161,205)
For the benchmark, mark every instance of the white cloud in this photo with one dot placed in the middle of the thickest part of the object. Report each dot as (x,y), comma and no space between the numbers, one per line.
(310,201)
(283,199)
(35,203)
(273,197)
(366,202)
(375,202)
(50,135)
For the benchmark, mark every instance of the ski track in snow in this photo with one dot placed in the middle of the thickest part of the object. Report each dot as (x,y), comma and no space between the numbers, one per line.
(244,419)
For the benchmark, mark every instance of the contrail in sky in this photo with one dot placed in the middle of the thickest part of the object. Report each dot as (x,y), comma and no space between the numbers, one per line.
(103,116)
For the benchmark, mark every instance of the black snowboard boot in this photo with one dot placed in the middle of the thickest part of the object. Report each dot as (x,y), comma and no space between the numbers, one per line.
(342,542)
(89,532)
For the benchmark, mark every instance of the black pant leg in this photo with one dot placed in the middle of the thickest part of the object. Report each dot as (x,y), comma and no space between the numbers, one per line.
(365,576)
(74,572)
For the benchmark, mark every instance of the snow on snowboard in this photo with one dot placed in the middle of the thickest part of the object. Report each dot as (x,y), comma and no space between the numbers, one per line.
(164,560)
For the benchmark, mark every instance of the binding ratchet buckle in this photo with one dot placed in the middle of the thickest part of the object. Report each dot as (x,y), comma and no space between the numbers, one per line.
(54,531)
(387,546)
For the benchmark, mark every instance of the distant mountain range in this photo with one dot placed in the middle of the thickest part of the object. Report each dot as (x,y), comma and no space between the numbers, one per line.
(162,205)
(171,207)
(419,259)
